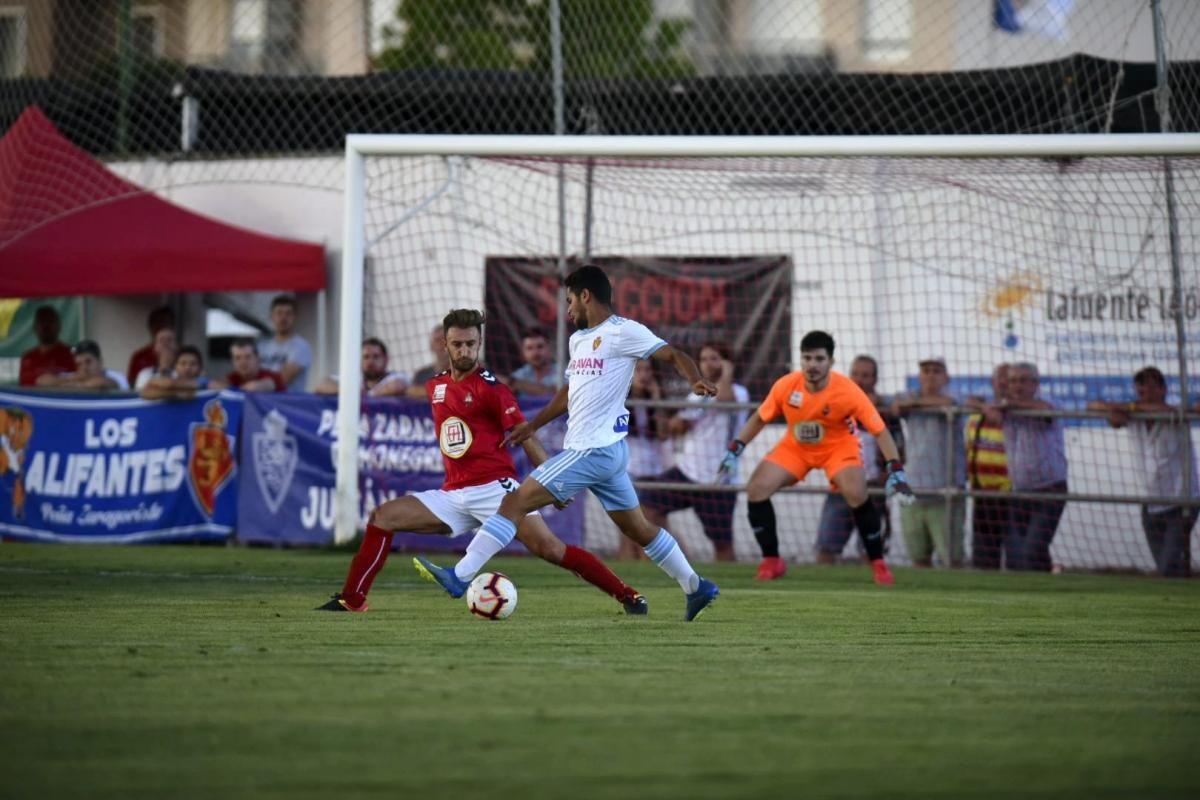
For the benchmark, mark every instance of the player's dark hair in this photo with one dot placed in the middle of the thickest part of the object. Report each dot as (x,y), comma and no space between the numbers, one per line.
(722,349)
(592,278)
(869,359)
(1149,375)
(159,318)
(534,333)
(463,318)
(816,340)
(244,342)
(190,350)
(283,300)
(373,341)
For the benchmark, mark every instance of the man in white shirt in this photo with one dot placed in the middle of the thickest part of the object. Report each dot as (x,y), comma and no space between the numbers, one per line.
(603,353)
(287,352)
(700,435)
(377,379)
(1163,450)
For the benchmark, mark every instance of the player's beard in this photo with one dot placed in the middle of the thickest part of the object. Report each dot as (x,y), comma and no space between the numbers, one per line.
(464,365)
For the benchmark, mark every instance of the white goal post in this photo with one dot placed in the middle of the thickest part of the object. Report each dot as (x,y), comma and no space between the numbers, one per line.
(359,147)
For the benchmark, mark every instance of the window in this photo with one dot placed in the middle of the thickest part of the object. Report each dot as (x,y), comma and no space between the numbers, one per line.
(12,42)
(887,30)
(785,26)
(265,35)
(148,38)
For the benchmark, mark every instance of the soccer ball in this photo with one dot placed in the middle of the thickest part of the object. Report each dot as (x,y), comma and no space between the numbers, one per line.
(492,595)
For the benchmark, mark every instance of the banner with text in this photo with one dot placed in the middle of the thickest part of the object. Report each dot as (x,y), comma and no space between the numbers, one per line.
(745,302)
(287,484)
(118,470)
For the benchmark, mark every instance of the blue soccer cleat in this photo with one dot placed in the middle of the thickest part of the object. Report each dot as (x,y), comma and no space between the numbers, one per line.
(701,599)
(441,576)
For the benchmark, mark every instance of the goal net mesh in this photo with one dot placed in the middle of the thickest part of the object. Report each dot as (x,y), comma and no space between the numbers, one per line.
(1064,264)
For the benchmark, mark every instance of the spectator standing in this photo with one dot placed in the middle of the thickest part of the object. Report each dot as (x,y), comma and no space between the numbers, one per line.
(441,363)
(49,356)
(1037,462)
(248,373)
(539,375)
(837,520)
(159,318)
(166,349)
(90,373)
(646,437)
(1163,449)
(287,352)
(931,440)
(699,436)
(377,380)
(992,541)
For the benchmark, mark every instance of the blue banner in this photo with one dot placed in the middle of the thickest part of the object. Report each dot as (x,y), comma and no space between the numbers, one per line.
(119,469)
(289,453)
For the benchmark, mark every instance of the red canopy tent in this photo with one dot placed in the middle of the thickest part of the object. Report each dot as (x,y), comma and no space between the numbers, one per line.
(69,226)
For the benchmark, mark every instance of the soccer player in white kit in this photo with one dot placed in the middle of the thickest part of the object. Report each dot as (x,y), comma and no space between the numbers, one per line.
(603,353)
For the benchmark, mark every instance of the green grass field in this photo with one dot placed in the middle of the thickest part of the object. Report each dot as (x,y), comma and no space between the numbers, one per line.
(173,672)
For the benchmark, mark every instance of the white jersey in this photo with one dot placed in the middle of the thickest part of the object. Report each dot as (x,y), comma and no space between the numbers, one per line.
(701,447)
(598,380)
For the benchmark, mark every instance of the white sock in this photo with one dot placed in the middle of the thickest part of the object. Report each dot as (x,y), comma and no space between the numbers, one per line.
(479,551)
(665,552)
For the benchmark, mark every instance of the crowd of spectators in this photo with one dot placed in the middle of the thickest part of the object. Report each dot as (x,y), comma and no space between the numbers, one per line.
(1014,464)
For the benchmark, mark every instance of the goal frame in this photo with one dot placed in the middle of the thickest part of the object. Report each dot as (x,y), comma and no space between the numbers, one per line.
(360,146)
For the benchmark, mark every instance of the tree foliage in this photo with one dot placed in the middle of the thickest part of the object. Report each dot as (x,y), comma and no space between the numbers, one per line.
(601,38)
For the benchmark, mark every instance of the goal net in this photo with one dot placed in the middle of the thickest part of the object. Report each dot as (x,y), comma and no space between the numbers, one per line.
(1072,264)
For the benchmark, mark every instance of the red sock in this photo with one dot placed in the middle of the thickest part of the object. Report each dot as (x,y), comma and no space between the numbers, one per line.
(368,561)
(592,570)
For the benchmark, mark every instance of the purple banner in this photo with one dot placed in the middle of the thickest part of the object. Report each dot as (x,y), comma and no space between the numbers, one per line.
(289,452)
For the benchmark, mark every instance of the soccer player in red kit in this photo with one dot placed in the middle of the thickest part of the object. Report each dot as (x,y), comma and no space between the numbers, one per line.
(472,411)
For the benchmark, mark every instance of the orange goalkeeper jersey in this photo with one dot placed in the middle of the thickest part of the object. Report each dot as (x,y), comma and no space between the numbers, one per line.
(824,420)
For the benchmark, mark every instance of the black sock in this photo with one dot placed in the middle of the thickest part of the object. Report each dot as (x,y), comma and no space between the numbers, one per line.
(762,522)
(866,518)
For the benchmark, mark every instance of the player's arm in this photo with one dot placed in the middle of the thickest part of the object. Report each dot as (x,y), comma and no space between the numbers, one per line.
(552,410)
(685,365)
(534,451)
(754,425)
(897,481)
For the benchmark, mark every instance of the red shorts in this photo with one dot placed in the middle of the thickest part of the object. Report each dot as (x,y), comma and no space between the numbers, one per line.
(798,459)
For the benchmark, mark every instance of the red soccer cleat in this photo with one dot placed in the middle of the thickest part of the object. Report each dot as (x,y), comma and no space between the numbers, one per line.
(770,568)
(883,575)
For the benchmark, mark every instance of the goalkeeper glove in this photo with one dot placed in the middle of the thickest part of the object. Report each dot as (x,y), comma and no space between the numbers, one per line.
(897,484)
(729,461)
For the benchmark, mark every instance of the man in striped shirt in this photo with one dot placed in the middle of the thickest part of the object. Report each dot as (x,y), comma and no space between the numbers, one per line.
(987,470)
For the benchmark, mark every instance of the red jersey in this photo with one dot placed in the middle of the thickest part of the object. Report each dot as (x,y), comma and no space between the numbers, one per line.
(236,380)
(471,417)
(35,363)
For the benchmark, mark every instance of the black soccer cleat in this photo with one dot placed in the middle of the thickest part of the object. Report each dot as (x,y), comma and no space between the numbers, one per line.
(636,606)
(336,603)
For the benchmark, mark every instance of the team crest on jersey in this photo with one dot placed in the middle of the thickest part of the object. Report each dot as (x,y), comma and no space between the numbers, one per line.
(439,393)
(825,411)
(454,437)
(468,399)
(796,399)
(596,342)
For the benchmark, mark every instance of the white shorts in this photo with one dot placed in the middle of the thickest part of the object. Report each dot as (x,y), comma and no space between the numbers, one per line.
(465,509)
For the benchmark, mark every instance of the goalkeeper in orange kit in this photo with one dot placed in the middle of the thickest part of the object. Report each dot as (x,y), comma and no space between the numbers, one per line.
(823,411)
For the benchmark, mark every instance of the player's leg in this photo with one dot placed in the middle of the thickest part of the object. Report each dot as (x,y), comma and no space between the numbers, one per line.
(847,474)
(658,503)
(535,534)
(834,528)
(500,528)
(404,513)
(772,474)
